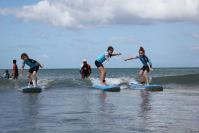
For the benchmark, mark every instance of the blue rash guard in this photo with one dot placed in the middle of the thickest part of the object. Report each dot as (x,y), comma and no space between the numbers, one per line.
(103,57)
(145,60)
(31,63)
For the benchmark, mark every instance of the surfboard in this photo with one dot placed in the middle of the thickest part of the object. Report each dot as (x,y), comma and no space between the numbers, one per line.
(152,87)
(31,90)
(111,88)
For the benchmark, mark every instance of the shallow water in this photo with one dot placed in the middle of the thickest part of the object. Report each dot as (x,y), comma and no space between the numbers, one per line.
(62,108)
(86,110)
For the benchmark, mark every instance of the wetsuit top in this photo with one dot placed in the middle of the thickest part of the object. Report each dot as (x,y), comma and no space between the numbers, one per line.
(145,60)
(103,57)
(85,68)
(31,63)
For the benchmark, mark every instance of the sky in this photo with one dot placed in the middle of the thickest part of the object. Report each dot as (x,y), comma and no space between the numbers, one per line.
(61,33)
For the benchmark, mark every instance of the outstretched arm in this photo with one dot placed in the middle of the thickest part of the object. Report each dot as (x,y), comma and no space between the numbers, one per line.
(115,54)
(131,58)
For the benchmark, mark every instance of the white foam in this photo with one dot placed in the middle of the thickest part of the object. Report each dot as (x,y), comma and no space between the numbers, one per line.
(117,81)
(44,83)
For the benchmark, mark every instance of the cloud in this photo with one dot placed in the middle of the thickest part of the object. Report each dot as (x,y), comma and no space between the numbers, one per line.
(42,56)
(195,36)
(89,13)
(194,49)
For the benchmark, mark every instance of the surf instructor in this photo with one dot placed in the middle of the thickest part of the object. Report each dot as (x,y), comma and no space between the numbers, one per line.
(85,70)
(101,59)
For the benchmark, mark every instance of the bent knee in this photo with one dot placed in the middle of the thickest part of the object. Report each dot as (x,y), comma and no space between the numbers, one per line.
(104,71)
(141,73)
(145,73)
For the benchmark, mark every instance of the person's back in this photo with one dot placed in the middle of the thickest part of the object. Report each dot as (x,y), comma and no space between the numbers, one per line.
(15,70)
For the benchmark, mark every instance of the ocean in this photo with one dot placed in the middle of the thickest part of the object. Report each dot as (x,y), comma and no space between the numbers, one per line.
(69,104)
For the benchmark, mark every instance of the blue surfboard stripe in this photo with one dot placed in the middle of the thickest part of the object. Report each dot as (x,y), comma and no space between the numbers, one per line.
(107,87)
(152,87)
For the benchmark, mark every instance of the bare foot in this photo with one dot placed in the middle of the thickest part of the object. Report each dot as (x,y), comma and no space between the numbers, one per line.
(103,83)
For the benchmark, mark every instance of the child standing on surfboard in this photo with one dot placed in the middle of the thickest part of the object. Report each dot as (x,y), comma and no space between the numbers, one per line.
(147,65)
(99,63)
(34,67)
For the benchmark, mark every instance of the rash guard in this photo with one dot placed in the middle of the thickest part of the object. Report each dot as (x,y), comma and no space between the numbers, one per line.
(144,59)
(103,57)
(31,63)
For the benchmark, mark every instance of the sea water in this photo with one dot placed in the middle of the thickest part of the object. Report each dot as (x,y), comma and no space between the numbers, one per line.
(69,104)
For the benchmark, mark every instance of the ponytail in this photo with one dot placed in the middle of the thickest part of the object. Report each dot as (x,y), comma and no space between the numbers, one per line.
(142,49)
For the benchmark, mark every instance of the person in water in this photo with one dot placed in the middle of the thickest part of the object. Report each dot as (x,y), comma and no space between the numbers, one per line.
(34,67)
(147,65)
(85,70)
(99,63)
(6,74)
(15,73)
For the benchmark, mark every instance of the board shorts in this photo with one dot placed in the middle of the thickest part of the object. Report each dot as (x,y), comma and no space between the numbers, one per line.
(36,68)
(145,68)
(98,64)
(15,76)
(85,75)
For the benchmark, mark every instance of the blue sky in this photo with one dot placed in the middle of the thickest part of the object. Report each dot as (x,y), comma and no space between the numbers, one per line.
(60,33)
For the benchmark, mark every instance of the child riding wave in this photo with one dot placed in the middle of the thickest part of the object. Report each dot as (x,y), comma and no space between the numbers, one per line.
(34,67)
(147,65)
(99,63)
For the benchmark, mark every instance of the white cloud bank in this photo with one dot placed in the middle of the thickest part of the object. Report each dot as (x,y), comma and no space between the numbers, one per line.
(88,13)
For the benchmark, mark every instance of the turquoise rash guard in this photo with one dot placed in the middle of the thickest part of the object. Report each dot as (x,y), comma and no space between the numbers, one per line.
(103,57)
